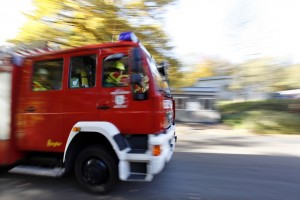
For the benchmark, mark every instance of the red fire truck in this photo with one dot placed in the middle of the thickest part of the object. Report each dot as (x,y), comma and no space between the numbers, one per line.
(103,111)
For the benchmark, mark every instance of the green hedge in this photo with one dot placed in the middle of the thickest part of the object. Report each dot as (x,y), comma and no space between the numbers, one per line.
(273,117)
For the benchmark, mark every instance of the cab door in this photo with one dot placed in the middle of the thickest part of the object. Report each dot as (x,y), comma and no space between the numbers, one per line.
(40,114)
(80,97)
(114,102)
(119,104)
(133,106)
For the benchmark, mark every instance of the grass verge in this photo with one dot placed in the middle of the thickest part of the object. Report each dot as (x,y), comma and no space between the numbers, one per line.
(265,117)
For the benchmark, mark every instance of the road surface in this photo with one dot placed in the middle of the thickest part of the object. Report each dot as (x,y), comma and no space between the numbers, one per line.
(210,163)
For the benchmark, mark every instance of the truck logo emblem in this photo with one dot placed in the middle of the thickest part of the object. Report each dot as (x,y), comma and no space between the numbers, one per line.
(51,143)
(120,101)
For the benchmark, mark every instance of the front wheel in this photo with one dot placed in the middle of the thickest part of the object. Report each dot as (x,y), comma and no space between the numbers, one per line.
(96,169)
(5,168)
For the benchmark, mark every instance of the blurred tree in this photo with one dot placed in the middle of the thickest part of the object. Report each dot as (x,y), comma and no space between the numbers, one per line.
(69,23)
(201,70)
(259,75)
(289,78)
(206,68)
(221,67)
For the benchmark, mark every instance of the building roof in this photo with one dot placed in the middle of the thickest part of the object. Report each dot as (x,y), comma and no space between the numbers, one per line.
(196,90)
(215,78)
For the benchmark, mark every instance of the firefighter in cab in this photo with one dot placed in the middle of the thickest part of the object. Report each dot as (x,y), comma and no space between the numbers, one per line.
(41,80)
(117,78)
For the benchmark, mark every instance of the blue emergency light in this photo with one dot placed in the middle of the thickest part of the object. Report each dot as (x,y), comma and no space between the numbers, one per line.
(128,36)
(17,60)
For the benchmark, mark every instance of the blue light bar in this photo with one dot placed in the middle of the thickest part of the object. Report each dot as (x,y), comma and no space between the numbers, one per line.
(128,36)
(17,60)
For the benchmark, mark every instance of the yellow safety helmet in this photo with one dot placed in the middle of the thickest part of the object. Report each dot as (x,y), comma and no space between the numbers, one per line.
(42,71)
(119,66)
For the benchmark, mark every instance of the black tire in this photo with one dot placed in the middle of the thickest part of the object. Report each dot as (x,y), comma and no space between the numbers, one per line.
(96,170)
(5,169)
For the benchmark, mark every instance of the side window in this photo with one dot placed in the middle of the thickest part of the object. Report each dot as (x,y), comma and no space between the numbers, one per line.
(180,103)
(115,73)
(82,71)
(47,75)
(207,104)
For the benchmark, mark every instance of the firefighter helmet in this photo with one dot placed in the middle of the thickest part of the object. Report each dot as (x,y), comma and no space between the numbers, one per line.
(119,65)
(42,71)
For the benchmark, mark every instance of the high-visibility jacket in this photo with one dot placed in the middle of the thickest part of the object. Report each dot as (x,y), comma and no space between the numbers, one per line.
(39,87)
(117,78)
(84,79)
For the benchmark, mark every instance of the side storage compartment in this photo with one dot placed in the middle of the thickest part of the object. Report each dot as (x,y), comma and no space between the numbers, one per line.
(9,153)
(5,115)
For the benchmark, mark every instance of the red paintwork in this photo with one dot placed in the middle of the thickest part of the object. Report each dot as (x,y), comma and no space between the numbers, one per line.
(57,111)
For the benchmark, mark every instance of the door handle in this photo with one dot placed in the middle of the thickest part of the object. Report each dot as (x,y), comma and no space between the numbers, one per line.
(30,109)
(103,107)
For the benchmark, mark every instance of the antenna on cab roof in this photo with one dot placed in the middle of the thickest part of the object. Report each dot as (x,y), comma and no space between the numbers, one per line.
(113,33)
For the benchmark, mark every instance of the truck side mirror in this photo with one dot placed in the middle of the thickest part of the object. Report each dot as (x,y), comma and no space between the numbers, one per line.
(162,68)
(137,80)
(137,60)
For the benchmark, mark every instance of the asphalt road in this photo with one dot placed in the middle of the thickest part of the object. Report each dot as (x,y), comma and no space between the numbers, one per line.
(210,163)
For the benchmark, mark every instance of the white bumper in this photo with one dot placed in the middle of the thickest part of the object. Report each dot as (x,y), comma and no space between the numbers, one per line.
(155,164)
(167,143)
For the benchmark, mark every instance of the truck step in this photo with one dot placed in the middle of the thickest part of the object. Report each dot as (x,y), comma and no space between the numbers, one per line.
(137,151)
(137,177)
(39,171)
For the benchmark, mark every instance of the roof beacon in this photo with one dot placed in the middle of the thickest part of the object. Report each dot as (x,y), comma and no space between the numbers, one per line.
(128,36)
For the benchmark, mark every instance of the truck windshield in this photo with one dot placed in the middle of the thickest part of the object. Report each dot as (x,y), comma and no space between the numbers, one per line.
(160,81)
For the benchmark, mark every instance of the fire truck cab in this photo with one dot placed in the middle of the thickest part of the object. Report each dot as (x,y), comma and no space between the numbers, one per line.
(104,111)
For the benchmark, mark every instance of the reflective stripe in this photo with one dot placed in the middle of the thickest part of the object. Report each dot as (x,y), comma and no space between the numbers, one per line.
(84,79)
(114,77)
(38,87)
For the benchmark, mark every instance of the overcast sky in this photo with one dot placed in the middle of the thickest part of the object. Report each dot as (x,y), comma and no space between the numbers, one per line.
(236,29)
(11,17)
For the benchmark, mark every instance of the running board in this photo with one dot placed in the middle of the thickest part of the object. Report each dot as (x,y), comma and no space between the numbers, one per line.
(39,171)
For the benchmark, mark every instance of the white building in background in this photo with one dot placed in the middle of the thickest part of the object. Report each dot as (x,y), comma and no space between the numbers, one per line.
(198,103)
(222,83)
(219,84)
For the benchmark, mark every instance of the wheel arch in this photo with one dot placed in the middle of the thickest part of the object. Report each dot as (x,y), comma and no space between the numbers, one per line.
(84,134)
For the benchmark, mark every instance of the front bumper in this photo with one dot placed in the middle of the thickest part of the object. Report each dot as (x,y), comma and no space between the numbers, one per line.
(167,142)
(153,164)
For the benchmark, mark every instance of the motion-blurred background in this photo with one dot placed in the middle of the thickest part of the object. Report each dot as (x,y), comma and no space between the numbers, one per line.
(230,61)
